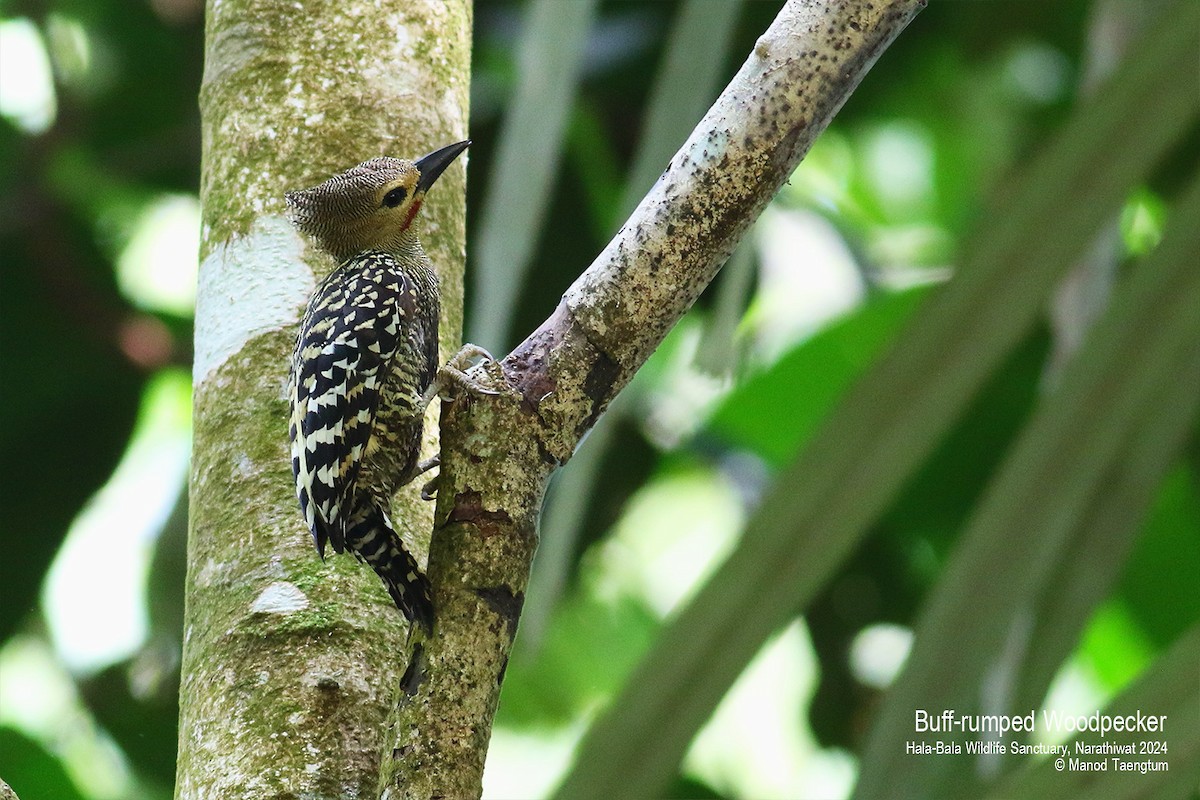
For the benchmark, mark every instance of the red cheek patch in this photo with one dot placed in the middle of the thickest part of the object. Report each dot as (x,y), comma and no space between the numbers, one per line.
(412,214)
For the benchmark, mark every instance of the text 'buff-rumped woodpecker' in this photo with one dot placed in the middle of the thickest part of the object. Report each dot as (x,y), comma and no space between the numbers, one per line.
(365,363)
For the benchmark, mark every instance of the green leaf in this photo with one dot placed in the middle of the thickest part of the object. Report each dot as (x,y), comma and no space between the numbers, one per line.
(1047,541)
(33,772)
(1159,585)
(808,380)
(589,647)
(522,177)
(1167,688)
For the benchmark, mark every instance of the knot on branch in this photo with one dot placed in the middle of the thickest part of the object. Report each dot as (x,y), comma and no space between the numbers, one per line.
(468,508)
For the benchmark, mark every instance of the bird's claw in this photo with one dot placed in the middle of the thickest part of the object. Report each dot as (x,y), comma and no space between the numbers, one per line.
(456,373)
(429,490)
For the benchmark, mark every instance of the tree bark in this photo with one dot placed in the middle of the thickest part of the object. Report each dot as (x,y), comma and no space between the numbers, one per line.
(499,450)
(291,666)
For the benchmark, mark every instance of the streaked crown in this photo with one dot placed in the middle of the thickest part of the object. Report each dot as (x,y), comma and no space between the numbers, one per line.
(371,206)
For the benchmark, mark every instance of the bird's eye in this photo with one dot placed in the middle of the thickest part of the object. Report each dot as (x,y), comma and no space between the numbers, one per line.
(395,197)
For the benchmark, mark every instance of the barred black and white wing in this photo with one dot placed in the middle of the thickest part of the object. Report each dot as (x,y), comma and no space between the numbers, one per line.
(347,341)
(361,362)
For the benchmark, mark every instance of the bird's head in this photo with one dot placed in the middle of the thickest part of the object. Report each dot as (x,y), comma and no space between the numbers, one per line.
(371,206)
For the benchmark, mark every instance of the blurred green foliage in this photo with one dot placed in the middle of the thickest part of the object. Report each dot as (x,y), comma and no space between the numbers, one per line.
(969,91)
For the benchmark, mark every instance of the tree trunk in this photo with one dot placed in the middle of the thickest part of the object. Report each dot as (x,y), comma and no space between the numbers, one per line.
(291,666)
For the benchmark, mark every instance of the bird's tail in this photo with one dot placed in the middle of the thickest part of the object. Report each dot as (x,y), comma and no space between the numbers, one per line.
(371,537)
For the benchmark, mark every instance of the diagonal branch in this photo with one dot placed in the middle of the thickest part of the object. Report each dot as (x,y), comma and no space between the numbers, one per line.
(800,73)
(498,451)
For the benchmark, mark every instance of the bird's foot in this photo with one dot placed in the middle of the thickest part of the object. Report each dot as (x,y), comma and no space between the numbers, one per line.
(429,490)
(472,370)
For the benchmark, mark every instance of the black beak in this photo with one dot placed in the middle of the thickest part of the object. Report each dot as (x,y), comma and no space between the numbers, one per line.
(433,165)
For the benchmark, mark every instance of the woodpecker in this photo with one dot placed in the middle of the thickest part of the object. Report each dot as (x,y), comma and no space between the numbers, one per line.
(365,362)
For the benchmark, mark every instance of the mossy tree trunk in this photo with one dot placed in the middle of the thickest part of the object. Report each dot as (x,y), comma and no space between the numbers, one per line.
(291,666)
